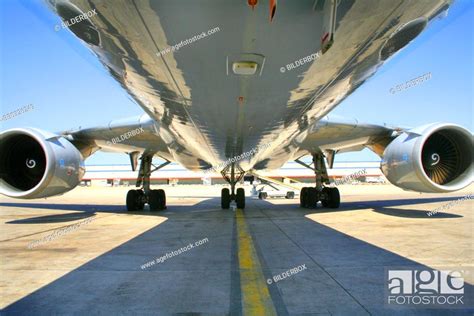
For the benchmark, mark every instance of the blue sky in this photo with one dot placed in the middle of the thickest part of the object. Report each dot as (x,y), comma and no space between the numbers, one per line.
(69,88)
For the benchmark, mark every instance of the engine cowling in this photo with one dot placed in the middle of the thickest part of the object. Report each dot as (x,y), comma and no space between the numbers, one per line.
(37,164)
(432,158)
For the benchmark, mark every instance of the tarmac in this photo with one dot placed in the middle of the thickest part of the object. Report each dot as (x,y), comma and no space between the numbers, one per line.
(82,253)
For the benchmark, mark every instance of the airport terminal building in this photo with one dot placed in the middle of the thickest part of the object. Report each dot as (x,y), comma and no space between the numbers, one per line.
(122,174)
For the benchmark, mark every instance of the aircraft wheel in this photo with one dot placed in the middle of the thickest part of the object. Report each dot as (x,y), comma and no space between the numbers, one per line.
(240,198)
(141,200)
(162,195)
(303,196)
(225,198)
(334,198)
(154,200)
(132,201)
(326,196)
(312,198)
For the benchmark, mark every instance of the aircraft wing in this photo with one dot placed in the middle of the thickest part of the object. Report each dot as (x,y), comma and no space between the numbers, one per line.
(140,134)
(132,135)
(340,135)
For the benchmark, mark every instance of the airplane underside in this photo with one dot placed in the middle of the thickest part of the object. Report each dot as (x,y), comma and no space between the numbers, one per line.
(250,83)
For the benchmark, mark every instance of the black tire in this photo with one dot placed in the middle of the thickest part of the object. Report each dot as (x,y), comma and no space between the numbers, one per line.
(334,198)
(240,198)
(263,195)
(290,195)
(154,200)
(312,198)
(140,200)
(225,198)
(162,196)
(303,196)
(327,196)
(132,201)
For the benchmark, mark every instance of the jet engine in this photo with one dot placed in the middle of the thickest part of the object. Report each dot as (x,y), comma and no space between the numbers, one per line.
(37,164)
(432,158)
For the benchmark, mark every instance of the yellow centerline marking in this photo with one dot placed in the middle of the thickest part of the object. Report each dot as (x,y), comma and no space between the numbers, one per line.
(256,298)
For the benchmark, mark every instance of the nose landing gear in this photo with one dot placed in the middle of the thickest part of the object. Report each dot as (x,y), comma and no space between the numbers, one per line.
(232,174)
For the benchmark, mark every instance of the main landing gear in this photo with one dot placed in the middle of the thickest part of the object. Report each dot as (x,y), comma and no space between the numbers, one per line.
(310,196)
(156,199)
(232,174)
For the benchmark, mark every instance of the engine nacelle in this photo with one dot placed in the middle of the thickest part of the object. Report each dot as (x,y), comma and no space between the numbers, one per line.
(432,158)
(36,164)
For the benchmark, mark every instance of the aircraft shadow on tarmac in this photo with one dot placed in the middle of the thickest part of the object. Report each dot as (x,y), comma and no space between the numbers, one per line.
(381,206)
(341,268)
(388,207)
(60,218)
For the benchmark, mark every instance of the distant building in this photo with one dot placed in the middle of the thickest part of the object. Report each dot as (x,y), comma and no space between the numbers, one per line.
(343,172)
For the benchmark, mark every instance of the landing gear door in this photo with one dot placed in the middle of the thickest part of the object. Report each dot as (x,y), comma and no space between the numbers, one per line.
(329,10)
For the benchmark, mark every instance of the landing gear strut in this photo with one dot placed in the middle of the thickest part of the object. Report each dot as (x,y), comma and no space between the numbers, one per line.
(156,199)
(232,174)
(328,196)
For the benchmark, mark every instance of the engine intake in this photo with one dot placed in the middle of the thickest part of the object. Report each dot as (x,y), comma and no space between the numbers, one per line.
(36,164)
(432,158)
